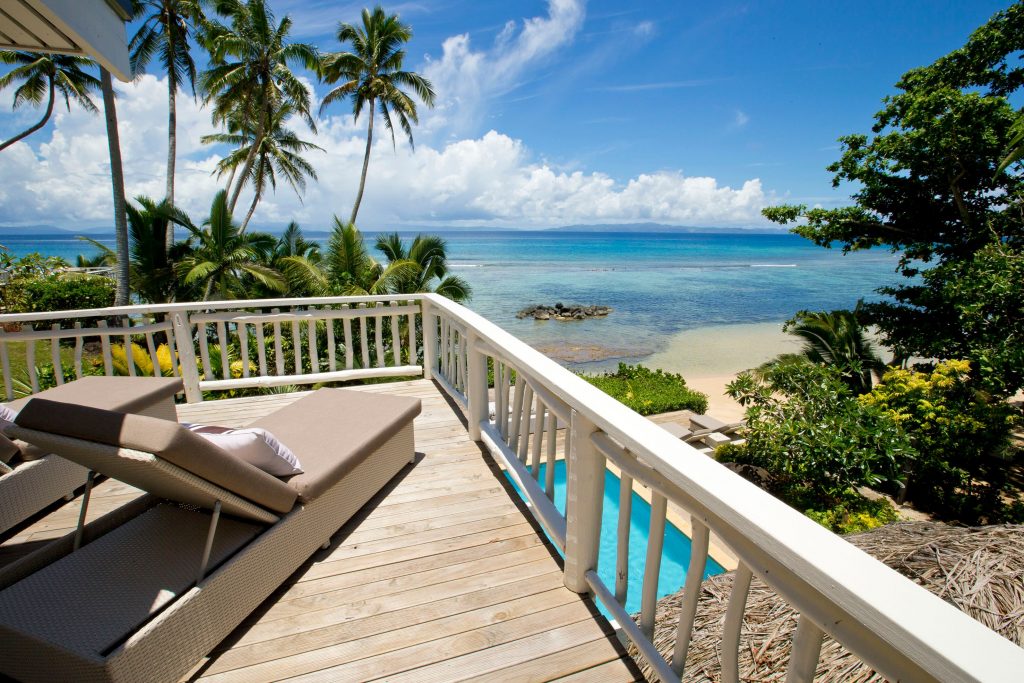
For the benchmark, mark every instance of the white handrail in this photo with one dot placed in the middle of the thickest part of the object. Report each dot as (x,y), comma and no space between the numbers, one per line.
(189,325)
(896,626)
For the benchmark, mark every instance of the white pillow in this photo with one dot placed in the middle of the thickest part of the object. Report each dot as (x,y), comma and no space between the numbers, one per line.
(254,445)
(7,416)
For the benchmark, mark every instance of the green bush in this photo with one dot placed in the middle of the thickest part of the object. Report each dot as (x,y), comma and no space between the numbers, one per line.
(961,436)
(649,392)
(812,435)
(854,514)
(57,293)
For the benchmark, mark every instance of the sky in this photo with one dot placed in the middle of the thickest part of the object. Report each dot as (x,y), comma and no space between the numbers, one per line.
(548,113)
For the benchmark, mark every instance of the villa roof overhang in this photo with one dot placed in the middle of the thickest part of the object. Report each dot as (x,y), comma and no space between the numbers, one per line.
(91,28)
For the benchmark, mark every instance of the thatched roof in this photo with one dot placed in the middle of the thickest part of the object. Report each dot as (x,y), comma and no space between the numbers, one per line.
(978,570)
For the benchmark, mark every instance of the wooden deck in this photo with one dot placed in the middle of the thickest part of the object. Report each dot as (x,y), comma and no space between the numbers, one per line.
(443,576)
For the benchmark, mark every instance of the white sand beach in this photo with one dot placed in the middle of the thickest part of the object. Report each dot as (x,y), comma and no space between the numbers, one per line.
(710,357)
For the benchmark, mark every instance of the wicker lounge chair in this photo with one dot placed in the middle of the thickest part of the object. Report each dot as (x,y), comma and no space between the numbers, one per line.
(39,478)
(150,598)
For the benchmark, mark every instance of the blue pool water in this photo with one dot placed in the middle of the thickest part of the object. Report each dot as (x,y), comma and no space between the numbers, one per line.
(675,558)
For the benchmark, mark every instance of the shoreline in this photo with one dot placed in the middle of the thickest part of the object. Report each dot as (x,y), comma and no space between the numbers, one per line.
(710,357)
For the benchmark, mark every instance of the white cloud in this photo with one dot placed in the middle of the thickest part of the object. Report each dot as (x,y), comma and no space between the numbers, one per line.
(740,119)
(464,78)
(644,29)
(487,180)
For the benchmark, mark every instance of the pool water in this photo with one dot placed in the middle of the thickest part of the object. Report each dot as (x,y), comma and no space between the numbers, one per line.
(675,557)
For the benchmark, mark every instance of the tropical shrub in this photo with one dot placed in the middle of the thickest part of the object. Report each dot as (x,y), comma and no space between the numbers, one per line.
(959,434)
(837,338)
(812,435)
(854,514)
(57,293)
(29,265)
(142,360)
(647,391)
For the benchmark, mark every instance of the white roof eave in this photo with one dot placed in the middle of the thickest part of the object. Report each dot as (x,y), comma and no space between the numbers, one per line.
(93,28)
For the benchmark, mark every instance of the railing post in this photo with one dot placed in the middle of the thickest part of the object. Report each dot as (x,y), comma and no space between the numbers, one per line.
(429,340)
(186,356)
(583,506)
(476,387)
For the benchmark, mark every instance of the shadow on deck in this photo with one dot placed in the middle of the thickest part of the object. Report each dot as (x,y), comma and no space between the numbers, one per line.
(442,576)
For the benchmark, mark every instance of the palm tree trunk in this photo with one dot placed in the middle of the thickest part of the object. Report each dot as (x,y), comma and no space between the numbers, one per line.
(252,209)
(231,179)
(366,164)
(172,150)
(42,122)
(257,141)
(121,293)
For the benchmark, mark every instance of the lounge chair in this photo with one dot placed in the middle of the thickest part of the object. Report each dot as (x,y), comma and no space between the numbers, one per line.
(37,478)
(148,599)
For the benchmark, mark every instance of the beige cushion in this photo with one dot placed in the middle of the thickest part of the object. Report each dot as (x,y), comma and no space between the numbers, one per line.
(164,439)
(333,430)
(123,394)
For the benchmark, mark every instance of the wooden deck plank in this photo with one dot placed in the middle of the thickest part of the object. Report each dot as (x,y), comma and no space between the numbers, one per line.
(466,658)
(246,655)
(425,661)
(274,667)
(356,608)
(615,670)
(327,582)
(580,660)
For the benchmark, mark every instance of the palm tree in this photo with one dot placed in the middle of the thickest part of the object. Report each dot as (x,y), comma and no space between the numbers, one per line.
(300,261)
(44,76)
(223,257)
(257,82)
(151,269)
(428,252)
(351,271)
(122,292)
(372,74)
(166,30)
(279,154)
(104,258)
(152,259)
(836,338)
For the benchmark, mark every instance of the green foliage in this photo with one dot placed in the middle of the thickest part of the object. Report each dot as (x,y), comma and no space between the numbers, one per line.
(855,514)
(836,338)
(429,253)
(371,74)
(57,293)
(970,308)
(812,435)
(647,391)
(929,186)
(29,265)
(959,434)
(44,78)
(225,259)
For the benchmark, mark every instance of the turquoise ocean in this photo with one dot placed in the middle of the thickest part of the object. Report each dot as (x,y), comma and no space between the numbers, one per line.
(659,284)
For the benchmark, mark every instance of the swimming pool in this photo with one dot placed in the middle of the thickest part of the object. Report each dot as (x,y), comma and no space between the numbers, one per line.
(675,557)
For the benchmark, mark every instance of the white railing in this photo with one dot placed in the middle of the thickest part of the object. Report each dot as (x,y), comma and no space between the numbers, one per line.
(219,345)
(537,413)
(895,626)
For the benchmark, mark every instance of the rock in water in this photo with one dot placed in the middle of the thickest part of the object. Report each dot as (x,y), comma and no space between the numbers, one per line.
(562,312)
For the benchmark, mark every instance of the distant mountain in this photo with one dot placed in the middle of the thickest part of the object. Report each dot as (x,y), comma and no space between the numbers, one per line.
(50,230)
(658,227)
